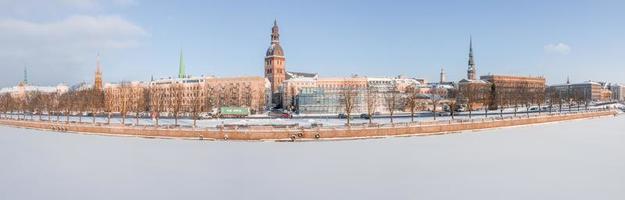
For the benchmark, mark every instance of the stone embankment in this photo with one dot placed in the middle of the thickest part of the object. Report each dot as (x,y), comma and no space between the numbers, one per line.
(303,134)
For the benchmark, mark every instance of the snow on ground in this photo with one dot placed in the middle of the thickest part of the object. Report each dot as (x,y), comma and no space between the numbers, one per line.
(581,159)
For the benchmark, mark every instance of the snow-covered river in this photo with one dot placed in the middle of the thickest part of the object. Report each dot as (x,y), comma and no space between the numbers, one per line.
(582,159)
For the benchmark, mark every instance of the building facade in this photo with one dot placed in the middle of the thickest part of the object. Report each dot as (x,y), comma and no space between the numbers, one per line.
(504,88)
(618,92)
(325,95)
(164,96)
(589,91)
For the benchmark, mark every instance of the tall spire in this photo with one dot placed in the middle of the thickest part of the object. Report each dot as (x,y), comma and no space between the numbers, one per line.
(98,74)
(25,75)
(471,72)
(98,70)
(181,67)
(275,35)
(443,77)
(568,81)
(471,62)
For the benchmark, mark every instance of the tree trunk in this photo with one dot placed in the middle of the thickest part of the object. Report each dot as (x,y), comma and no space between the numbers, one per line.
(176,119)
(194,121)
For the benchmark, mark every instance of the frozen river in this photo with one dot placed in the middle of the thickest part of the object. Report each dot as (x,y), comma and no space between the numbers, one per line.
(582,159)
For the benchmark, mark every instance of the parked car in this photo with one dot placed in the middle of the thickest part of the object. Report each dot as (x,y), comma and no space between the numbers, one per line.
(442,114)
(365,116)
(286,115)
(342,116)
(534,109)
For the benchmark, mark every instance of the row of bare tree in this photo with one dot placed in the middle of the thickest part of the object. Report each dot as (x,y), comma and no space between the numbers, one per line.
(470,96)
(126,100)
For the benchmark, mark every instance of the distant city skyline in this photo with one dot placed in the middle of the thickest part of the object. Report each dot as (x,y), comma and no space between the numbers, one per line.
(58,40)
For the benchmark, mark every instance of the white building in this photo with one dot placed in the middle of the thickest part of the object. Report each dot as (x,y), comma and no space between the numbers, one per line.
(22,89)
(618,92)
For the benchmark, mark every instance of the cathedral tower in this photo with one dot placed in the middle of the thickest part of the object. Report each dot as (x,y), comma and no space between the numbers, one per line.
(274,62)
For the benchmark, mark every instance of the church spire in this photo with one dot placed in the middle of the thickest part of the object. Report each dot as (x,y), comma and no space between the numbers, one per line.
(25,75)
(98,74)
(443,77)
(275,33)
(471,72)
(181,67)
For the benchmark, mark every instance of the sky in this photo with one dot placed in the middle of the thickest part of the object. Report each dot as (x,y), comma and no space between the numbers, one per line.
(59,40)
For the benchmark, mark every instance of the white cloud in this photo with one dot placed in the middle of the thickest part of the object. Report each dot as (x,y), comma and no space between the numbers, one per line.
(67,45)
(559,49)
(28,8)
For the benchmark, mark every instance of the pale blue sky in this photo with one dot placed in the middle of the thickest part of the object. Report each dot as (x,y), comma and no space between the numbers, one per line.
(59,39)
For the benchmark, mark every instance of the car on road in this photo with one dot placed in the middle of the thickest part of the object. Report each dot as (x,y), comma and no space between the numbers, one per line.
(365,116)
(441,114)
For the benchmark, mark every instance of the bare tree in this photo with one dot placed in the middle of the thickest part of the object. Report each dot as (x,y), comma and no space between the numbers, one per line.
(348,94)
(196,106)
(452,99)
(371,101)
(391,99)
(8,104)
(125,100)
(412,100)
(526,96)
(96,102)
(81,100)
(579,97)
(487,98)
(176,100)
(436,96)
(551,97)
(55,106)
(157,103)
(209,98)
(33,103)
(138,102)
(67,104)
(44,105)
(539,96)
(22,106)
(109,104)
(470,95)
